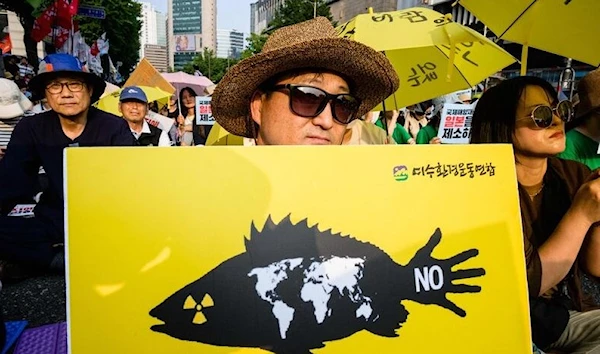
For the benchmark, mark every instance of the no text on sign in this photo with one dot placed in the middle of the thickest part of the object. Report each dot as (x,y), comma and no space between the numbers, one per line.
(92,11)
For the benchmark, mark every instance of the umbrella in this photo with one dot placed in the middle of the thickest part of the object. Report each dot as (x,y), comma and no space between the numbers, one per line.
(564,27)
(219,136)
(110,88)
(432,55)
(110,102)
(181,80)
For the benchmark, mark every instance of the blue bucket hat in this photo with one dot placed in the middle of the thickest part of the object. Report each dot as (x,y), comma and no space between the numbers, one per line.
(60,64)
(133,93)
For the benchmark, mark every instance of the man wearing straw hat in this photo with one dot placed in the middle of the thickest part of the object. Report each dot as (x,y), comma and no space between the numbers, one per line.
(304,87)
(583,137)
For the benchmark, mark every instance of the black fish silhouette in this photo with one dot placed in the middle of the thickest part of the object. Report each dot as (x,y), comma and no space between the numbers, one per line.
(296,287)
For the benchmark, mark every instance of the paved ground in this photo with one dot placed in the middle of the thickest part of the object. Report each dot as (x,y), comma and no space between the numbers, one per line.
(38,300)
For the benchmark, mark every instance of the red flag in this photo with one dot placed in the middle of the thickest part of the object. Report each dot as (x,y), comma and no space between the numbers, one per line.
(42,26)
(61,35)
(63,13)
(74,7)
(6,44)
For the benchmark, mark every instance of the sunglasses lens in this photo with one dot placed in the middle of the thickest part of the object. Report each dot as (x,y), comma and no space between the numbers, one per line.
(306,101)
(542,116)
(565,110)
(345,108)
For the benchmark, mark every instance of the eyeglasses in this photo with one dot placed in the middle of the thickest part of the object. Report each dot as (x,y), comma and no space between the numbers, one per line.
(543,115)
(57,87)
(309,102)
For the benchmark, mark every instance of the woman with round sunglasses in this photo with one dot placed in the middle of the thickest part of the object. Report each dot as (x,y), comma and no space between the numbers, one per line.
(560,203)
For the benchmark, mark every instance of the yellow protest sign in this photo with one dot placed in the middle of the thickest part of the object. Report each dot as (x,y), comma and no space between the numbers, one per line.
(348,249)
(146,75)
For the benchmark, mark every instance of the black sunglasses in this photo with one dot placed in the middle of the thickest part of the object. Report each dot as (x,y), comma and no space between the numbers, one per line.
(309,102)
(543,115)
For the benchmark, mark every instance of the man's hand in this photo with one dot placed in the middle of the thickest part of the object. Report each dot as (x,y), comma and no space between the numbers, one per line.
(433,277)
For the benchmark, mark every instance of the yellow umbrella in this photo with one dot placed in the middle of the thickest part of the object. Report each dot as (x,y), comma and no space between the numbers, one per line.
(110,102)
(565,27)
(432,55)
(219,136)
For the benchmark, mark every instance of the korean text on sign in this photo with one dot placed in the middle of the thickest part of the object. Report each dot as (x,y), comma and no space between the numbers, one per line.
(204,111)
(455,125)
(463,169)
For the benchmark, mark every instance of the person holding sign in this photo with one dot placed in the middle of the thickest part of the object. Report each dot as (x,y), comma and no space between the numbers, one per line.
(304,87)
(39,141)
(187,97)
(560,205)
(133,104)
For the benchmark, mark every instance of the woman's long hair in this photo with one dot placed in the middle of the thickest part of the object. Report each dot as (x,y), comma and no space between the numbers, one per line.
(183,108)
(494,118)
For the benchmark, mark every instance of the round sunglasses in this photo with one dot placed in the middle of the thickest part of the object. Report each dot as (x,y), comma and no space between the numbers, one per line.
(309,102)
(543,115)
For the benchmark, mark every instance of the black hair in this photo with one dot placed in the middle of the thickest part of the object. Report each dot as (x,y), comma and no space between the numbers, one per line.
(494,118)
(191,92)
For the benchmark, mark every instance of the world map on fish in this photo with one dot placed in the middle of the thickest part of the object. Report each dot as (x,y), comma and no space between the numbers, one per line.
(321,277)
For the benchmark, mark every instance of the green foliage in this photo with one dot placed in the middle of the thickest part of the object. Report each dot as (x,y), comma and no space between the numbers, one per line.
(209,65)
(296,11)
(122,26)
(255,45)
(292,12)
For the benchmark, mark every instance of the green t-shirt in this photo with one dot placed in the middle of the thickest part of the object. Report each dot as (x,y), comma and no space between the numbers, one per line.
(582,149)
(400,134)
(426,134)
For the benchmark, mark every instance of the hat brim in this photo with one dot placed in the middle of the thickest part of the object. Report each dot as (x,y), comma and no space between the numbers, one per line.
(37,83)
(16,109)
(373,77)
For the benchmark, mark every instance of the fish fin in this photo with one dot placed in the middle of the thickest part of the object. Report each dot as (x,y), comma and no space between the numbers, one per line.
(389,321)
(277,241)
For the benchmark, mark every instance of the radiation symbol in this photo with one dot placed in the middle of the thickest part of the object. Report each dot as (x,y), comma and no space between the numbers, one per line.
(191,304)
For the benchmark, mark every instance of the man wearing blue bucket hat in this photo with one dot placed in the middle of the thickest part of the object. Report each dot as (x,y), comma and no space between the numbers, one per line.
(38,141)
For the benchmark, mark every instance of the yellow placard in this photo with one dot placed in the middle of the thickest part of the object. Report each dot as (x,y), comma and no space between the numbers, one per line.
(348,249)
(146,75)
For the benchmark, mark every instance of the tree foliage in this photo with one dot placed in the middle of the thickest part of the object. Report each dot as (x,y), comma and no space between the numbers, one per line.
(292,12)
(296,11)
(122,26)
(209,65)
(255,44)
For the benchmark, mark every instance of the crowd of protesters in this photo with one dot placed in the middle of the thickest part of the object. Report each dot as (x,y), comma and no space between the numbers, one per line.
(296,103)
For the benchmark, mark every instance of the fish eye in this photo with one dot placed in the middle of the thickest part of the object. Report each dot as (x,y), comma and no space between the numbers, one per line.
(191,304)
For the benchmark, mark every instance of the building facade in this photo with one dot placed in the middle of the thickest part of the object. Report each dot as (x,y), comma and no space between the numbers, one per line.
(157,56)
(262,12)
(191,26)
(15,30)
(149,32)
(161,29)
(230,43)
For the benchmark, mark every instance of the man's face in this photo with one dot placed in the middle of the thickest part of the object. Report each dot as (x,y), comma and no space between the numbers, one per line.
(133,111)
(278,125)
(68,96)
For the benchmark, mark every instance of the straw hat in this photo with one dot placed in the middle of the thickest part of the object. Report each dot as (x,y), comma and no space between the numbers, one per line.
(310,44)
(588,90)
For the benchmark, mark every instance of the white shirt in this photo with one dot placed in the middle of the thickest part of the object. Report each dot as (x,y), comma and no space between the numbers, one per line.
(162,141)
